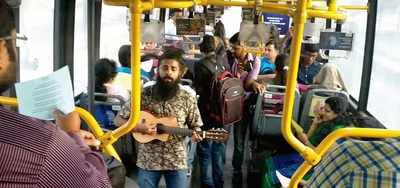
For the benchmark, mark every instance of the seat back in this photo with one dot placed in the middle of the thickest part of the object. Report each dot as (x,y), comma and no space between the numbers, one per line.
(105,111)
(269,111)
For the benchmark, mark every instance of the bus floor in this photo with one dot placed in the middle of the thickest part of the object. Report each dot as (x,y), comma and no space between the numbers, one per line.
(194,180)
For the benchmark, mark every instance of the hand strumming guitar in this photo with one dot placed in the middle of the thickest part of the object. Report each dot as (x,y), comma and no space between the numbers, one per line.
(144,128)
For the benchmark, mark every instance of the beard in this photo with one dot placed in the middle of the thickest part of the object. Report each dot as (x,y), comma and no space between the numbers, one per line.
(8,78)
(165,90)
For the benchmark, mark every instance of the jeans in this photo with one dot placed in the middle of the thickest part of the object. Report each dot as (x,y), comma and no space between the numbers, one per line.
(239,134)
(191,150)
(173,178)
(211,161)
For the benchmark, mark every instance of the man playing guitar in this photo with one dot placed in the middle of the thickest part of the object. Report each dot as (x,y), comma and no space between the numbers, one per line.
(165,99)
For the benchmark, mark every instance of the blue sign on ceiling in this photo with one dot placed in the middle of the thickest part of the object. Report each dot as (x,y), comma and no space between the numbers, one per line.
(280,20)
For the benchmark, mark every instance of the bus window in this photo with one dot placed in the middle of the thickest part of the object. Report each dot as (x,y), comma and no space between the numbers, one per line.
(383,99)
(36,22)
(114,30)
(80,47)
(351,66)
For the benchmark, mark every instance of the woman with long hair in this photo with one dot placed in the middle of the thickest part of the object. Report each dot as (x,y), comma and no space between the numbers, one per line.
(332,116)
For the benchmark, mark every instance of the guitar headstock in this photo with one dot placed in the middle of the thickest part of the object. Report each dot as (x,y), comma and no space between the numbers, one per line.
(216,135)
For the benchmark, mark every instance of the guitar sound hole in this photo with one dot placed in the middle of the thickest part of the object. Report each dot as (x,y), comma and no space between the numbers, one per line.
(160,130)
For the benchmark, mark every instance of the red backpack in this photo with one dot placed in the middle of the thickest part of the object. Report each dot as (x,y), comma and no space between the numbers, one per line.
(226,97)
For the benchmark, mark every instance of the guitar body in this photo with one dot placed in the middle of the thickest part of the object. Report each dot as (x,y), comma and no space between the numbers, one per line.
(169,126)
(152,121)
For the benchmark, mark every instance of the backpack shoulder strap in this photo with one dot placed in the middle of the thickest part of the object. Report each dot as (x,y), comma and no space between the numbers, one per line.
(210,64)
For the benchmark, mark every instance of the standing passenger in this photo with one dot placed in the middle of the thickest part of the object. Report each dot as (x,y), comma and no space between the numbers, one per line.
(165,99)
(245,66)
(211,153)
(34,153)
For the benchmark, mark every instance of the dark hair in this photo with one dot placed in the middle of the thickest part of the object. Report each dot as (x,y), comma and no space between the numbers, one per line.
(105,70)
(273,42)
(280,62)
(365,121)
(208,44)
(124,55)
(7,25)
(175,54)
(219,30)
(308,47)
(338,105)
(147,57)
(234,40)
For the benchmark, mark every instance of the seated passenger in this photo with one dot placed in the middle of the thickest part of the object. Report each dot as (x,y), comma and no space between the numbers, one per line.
(105,72)
(35,153)
(267,66)
(268,61)
(281,69)
(308,66)
(331,118)
(329,77)
(356,162)
(123,77)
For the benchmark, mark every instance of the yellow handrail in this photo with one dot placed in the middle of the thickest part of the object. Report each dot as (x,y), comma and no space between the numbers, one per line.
(85,115)
(299,20)
(331,139)
(300,13)
(353,7)
(9,101)
(136,10)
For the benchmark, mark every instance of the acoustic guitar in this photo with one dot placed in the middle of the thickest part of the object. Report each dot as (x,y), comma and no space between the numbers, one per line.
(167,126)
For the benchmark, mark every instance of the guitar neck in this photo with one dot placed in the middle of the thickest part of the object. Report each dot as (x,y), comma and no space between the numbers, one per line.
(174,130)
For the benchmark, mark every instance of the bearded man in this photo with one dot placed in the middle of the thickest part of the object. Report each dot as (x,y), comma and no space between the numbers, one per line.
(165,99)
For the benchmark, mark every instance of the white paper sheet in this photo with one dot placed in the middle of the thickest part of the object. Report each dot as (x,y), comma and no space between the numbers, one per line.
(284,180)
(40,97)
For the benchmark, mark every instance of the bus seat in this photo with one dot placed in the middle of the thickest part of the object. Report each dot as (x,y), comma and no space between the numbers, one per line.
(105,111)
(268,112)
(312,98)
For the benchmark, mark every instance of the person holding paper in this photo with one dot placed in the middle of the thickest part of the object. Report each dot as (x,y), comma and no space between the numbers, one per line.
(34,153)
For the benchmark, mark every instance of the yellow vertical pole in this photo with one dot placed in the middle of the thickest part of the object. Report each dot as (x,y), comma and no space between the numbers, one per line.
(136,13)
(295,51)
(332,6)
(135,7)
(309,3)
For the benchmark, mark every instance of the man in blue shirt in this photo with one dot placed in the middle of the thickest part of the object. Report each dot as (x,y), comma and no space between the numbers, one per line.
(267,67)
(268,61)
(309,67)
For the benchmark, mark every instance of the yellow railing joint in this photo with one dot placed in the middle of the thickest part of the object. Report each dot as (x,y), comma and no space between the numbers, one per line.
(86,117)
